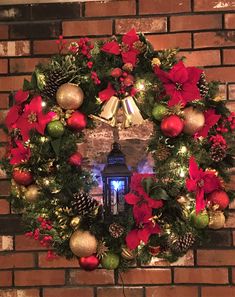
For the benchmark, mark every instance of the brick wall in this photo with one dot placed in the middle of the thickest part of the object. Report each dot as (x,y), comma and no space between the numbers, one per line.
(205,30)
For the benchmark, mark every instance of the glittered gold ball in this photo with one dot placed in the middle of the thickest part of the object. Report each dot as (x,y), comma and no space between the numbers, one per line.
(194,120)
(75,222)
(32,193)
(127,254)
(69,96)
(217,220)
(83,243)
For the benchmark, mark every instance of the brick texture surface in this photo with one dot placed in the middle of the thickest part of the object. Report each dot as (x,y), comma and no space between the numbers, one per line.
(205,32)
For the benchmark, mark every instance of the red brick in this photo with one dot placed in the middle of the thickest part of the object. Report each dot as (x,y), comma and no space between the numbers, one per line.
(230,223)
(159,6)
(201,275)
(213,5)
(25,64)
(201,58)
(2,152)
(223,74)
(58,262)
(4,100)
(39,277)
(85,28)
(126,7)
(5,278)
(118,291)
(234,238)
(23,243)
(96,277)
(4,204)
(171,291)
(3,31)
(45,47)
(163,41)
(146,276)
(20,293)
(229,20)
(145,25)
(218,291)
(14,48)
(212,39)
(71,292)
(3,66)
(195,22)
(229,56)
(3,114)
(16,260)
(5,187)
(12,83)
(215,257)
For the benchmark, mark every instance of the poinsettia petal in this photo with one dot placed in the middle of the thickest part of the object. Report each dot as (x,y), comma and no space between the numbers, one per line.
(111,47)
(43,120)
(211,117)
(194,171)
(190,92)
(129,57)
(24,127)
(142,212)
(35,105)
(191,185)
(107,93)
(211,182)
(143,234)
(162,75)
(194,74)
(178,73)
(200,202)
(132,240)
(130,37)
(131,198)
(154,203)
(176,98)
(21,96)
(12,116)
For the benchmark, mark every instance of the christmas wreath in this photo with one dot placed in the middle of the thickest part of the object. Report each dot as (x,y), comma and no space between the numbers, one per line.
(191,145)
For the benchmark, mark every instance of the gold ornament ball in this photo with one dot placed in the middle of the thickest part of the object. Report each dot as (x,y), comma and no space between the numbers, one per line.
(75,222)
(127,254)
(217,220)
(194,120)
(83,243)
(69,96)
(32,193)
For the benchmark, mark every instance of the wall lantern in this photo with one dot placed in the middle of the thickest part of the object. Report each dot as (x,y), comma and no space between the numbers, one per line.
(116,179)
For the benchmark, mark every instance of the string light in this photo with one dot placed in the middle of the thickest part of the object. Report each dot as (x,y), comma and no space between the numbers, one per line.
(43,139)
(183,150)
(182,172)
(140,85)
(43,104)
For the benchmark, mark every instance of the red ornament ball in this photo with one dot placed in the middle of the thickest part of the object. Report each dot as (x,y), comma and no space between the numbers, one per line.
(75,159)
(116,72)
(219,197)
(172,126)
(22,177)
(77,121)
(89,263)
(129,80)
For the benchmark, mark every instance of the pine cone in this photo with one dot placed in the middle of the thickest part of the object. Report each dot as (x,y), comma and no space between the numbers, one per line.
(203,85)
(217,152)
(181,243)
(53,81)
(116,230)
(162,152)
(83,204)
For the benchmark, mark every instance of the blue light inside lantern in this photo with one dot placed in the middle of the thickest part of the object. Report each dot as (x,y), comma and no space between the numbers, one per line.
(116,184)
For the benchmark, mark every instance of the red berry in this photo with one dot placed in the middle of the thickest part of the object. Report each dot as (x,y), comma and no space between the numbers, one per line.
(22,177)
(116,72)
(220,198)
(75,159)
(172,126)
(77,121)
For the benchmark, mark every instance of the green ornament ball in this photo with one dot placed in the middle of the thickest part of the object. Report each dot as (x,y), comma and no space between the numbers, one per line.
(55,129)
(110,261)
(199,221)
(159,112)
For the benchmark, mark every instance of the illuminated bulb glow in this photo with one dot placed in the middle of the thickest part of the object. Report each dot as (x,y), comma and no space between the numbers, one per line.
(116,184)
(43,104)
(182,173)
(183,149)
(43,139)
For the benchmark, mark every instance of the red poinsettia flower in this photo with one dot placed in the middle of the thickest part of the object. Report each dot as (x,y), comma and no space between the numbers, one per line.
(19,154)
(180,83)
(12,116)
(211,118)
(33,118)
(146,227)
(21,96)
(107,93)
(111,47)
(201,182)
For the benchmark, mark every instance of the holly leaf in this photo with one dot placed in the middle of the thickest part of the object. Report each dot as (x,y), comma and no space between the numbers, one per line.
(147,184)
(56,146)
(159,194)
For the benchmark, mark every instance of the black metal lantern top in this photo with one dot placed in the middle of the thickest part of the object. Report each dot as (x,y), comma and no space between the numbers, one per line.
(116,179)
